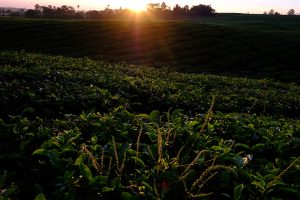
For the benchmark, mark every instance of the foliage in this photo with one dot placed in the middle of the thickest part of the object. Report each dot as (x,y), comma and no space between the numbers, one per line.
(202,10)
(238,45)
(52,12)
(51,86)
(154,10)
(291,12)
(81,129)
(125,155)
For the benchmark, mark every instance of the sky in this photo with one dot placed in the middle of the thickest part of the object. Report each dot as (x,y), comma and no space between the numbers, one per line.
(240,6)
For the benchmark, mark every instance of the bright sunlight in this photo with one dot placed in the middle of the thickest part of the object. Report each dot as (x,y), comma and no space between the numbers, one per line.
(135,5)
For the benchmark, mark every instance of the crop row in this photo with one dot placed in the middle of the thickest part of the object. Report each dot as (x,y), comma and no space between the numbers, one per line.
(38,85)
(170,155)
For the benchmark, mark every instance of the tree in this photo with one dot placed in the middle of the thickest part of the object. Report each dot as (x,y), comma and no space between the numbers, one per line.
(32,13)
(163,6)
(48,12)
(291,12)
(38,7)
(186,8)
(271,12)
(202,10)
(153,6)
(93,14)
(177,10)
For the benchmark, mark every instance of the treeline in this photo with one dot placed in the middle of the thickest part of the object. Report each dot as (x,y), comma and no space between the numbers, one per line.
(154,10)
(273,12)
(63,12)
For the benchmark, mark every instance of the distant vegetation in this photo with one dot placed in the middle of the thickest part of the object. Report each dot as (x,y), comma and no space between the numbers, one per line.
(154,10)
(272,12)
(85,115)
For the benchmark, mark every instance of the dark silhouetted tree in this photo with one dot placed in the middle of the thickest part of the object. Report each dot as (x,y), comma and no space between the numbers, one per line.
(177,10)
(291,12)
(272,12)
(32,13)
(163,6)
(38,7)
(186,9)
(93,14)
(277,13)
(202,10)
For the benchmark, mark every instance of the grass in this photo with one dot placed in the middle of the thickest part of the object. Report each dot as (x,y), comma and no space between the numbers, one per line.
(248,45)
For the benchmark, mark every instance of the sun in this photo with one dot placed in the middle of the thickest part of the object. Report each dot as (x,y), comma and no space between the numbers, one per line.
(136,6)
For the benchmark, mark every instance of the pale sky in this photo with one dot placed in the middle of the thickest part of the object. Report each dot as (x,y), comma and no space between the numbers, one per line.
(243,6)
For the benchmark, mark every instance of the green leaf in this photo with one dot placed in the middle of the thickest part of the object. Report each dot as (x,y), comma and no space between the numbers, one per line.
(275,184)
(176,113)
(226,195)
(28,110)
(68,150)
(74,138)
(238,160)
(259,186)
(238,191)
(68,175)
(40,196)
(80,159)
(94,139)
(145,116)
(86,172)
(138,161)
(192,123)
(116,182)
(251,126)
(148,187)
(242,146)
(153,115)
(201,195)
(42,152)
(99,180)
(127,196)
(217,148)
(107,189)
(258,147)
(152,136)
(131,152)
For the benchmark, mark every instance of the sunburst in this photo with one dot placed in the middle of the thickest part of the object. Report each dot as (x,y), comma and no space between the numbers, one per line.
(136,6)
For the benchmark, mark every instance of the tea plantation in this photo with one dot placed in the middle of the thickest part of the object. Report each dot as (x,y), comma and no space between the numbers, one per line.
(75,128)
(239,45)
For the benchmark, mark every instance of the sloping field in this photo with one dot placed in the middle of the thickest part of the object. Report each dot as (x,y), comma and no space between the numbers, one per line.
(255,46)
(81,129)
(66,85)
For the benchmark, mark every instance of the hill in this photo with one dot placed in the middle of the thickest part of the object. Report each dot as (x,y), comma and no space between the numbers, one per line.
(247,45)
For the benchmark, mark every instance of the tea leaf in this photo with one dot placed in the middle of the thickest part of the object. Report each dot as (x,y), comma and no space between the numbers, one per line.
(85,171)
(238,191)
